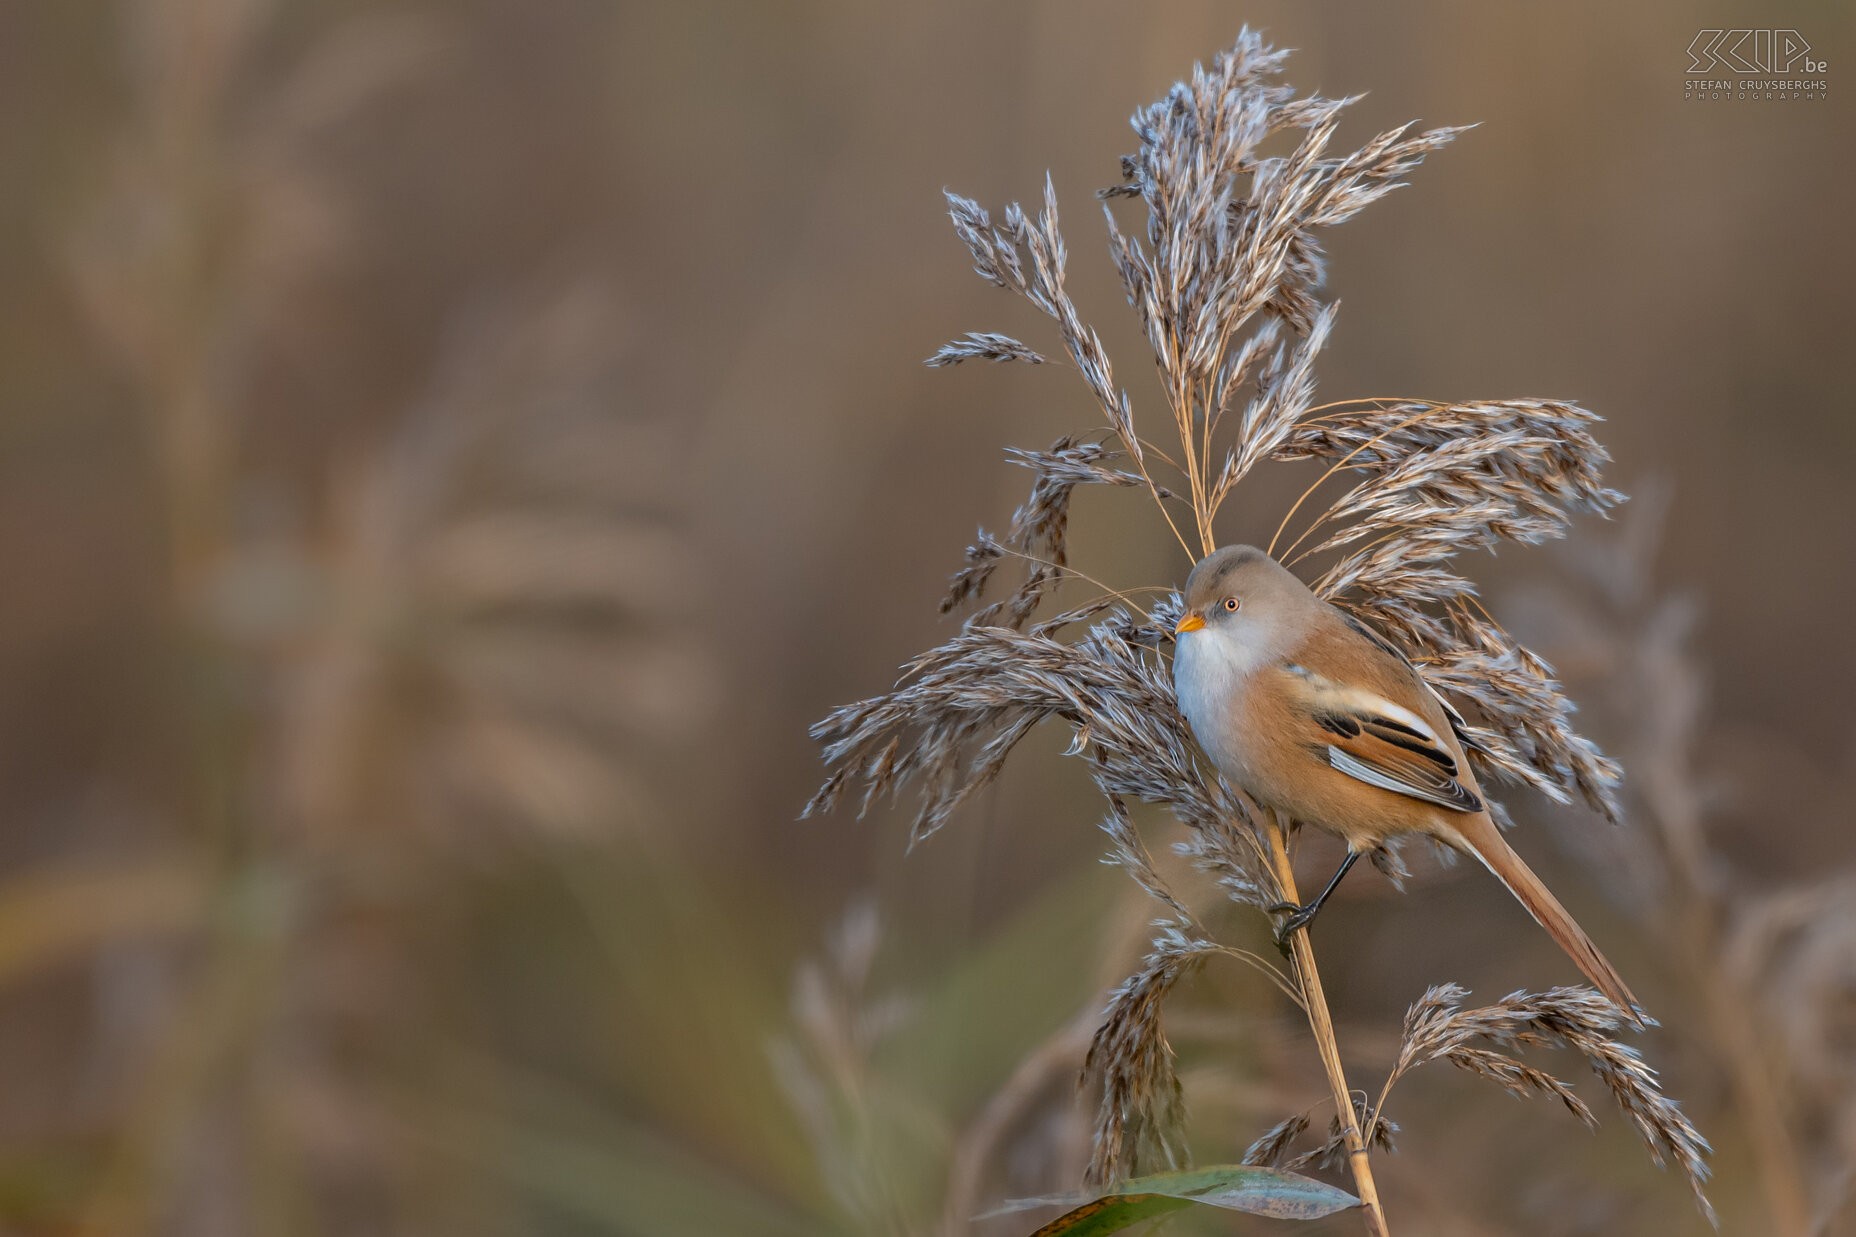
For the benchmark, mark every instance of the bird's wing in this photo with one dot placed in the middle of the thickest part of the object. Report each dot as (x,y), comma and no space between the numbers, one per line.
(1459,725)
(1373,740)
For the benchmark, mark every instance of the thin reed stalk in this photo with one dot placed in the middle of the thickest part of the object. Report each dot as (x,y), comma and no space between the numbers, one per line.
(1321,1025)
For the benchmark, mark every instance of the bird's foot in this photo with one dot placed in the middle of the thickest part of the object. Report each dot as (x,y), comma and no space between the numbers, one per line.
(1296,916)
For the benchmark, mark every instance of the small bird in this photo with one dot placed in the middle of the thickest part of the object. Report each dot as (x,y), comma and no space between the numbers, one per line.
(1312,713)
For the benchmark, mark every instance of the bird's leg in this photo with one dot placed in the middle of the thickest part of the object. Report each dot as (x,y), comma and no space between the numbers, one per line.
(1301,916)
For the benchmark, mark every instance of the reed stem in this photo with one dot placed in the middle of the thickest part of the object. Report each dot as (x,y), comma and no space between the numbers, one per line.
(1322,1025)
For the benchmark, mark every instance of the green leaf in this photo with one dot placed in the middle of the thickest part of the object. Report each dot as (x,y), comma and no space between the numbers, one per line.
(1232,1187)
(1110,1214)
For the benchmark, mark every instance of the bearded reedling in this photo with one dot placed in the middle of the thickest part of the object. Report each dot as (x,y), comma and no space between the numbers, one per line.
(1312,713)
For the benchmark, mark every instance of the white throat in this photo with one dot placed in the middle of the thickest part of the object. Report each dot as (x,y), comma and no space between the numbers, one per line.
(1211,668)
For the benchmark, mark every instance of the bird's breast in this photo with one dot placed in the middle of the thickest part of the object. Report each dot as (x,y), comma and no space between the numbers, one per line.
(1210,683)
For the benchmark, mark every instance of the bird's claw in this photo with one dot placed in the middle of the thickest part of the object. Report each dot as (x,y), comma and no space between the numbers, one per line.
(1298,917)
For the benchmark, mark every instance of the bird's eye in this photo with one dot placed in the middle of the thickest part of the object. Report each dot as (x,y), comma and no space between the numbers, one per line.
(1230,603)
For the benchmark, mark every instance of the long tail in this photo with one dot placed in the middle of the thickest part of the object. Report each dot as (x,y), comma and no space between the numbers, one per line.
(1485,841)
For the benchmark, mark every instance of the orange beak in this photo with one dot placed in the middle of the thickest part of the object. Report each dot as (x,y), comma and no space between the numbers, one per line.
(1188,622)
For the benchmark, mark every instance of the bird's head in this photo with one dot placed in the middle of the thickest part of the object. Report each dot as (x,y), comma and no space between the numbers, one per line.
(1241,595)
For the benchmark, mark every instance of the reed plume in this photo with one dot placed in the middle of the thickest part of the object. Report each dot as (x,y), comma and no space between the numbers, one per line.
(1223,280)
(1437,1028)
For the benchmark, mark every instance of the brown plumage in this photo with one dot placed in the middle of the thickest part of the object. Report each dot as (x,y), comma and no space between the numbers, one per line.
(1310,712)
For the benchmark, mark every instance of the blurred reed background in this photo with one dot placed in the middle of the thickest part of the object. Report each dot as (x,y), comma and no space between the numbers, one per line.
(452,451)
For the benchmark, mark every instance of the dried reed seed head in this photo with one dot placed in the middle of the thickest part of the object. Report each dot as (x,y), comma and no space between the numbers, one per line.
(1380,436)
(1037,533)
(1438,1028)
(1140,1118)
(970,581)
(1227,851)
(1442,478)
(1270,1150)
(976,345)
(1225,250)
(1332,1154)
(1081,614)
(1529,736)
(961,708)
(1128,852)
